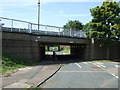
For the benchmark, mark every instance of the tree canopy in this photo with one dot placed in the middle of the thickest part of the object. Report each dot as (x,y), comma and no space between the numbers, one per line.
(106,21)
(74,25)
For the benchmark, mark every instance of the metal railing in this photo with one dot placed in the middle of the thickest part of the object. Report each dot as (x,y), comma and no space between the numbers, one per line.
(13,25)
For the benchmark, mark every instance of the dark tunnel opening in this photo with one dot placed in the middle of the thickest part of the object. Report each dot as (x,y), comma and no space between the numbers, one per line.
(62,52)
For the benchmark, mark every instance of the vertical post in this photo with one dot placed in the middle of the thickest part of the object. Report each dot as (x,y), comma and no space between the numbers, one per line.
(11,25)
(38,14)
(30,27)
(46,29)
(59,31)
(92,48)
(70,32)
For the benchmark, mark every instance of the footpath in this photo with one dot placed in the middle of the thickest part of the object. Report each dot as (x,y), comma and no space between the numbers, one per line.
(32,76)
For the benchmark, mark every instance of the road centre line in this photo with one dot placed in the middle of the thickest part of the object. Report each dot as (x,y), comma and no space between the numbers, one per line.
(78,65)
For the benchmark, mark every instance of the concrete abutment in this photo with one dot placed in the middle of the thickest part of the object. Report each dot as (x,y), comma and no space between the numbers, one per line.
(30,47)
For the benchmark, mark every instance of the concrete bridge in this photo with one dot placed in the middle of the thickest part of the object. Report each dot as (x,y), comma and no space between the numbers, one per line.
(29,44)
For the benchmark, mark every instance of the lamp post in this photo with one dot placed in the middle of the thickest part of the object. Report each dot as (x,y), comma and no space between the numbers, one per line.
(38,14)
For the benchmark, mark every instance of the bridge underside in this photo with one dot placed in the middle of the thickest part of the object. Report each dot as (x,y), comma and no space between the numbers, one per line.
(32,47)
(76,51)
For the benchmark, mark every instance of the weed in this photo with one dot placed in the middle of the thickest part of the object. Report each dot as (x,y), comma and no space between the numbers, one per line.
(11,63)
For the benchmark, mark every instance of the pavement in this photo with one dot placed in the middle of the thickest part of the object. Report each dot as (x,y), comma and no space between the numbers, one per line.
(31,76)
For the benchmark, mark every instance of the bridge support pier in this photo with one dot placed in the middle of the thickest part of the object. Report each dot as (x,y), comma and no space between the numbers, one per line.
(41,51)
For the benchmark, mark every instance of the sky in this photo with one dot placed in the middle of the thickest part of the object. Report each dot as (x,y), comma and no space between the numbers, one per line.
(52,12)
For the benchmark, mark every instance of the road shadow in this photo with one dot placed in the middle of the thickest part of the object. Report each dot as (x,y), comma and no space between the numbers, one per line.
(66,59)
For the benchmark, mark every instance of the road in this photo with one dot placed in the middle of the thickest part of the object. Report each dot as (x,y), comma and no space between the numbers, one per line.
(85,75)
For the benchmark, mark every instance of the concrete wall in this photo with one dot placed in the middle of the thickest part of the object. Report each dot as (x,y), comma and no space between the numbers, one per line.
(78,51)
(20,46)
(32,47)
(101,49)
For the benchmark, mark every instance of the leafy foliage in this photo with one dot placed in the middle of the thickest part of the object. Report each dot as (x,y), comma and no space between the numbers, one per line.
(105,22)
(74,25)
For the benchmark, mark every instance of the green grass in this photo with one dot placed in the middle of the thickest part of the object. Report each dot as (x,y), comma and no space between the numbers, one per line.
(54,48)
(11,63)
(105,60)
(102,61)
(66,51)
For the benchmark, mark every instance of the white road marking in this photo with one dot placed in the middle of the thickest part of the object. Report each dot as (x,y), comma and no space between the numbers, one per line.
(85,62)
(99,64)
(26,68)
(114,75)
(102,65)
(78,65)
(117,66)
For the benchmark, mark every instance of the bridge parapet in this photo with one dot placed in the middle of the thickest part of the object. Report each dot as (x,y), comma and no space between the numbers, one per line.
(13,25)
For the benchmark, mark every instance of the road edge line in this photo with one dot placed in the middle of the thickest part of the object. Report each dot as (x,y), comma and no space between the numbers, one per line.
(48,77)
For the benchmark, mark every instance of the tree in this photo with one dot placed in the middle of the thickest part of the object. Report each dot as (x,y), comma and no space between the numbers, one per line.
(105,19)
(86,27)
(74,25)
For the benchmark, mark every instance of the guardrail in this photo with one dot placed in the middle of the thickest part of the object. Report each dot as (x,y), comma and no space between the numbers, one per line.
(13,25)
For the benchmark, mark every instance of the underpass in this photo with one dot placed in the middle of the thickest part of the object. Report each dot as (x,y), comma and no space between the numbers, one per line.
(28,43)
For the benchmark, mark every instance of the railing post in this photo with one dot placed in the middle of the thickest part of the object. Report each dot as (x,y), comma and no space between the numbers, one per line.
(59,31)
(80,33)
(63,33)
(46,29)
(70,32)
(19,29)
(30,27)
(11,25)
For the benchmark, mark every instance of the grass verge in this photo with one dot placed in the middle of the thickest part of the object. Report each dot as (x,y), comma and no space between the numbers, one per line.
(67,51)
(9,64)
(105,60)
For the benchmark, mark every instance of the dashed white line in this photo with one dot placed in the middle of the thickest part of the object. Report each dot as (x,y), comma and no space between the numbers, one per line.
(85,62)
(99,64)
(117,66)
(78,65)
(114,75)
(102,65)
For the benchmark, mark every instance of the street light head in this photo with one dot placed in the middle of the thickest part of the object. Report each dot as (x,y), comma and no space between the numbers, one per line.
(38,1)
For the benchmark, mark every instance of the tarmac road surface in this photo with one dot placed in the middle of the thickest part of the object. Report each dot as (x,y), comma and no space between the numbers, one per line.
(85,75)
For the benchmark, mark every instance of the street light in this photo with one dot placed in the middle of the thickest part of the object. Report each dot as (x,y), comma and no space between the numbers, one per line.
(38,14)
